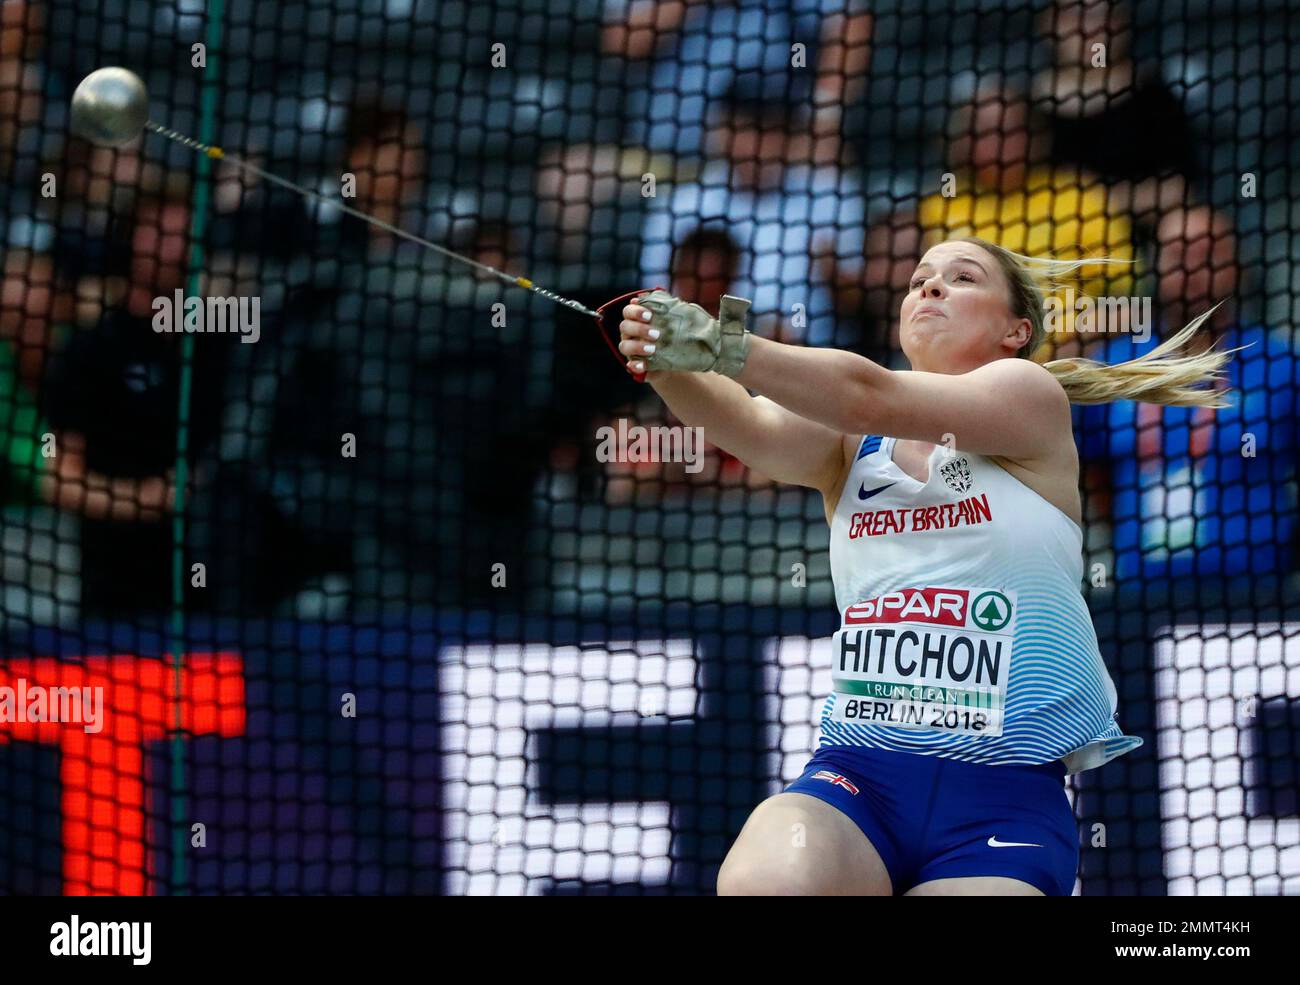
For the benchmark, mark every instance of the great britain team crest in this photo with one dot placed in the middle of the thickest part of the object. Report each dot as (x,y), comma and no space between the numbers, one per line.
(956,473)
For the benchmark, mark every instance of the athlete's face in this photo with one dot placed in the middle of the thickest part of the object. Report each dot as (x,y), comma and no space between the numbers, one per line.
(957,312)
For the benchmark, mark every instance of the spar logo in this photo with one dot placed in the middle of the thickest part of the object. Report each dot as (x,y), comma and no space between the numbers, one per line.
(991,611)
(942,606)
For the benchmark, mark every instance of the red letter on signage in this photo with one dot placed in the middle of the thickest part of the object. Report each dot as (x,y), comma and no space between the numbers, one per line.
(104,848)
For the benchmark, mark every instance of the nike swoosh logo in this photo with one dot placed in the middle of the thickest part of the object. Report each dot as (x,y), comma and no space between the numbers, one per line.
(864,493)
(994,843)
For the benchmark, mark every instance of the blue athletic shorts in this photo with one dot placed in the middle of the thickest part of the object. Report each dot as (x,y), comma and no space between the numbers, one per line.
(934,818)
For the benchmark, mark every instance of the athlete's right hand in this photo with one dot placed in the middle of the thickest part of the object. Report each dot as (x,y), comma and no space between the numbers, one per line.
(637,336)
(687,338)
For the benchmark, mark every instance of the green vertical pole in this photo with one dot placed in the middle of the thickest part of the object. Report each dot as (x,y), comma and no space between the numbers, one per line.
(198,229)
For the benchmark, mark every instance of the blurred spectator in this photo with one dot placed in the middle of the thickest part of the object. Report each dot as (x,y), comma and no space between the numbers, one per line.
(843,60)
(386,436)
(22,36)
(32,303)
(586,243)
(1110,117)
(252,217)
(643,26)
(281,476)
(491,415)
(492,243)
(22,29)
(1195,491)
(385,151)
(92,212)
(29,306)
(381,172)
(704,266)
(589,209)
(773,207)
(39,557)
(112,398)
(1002,188)
(690,54)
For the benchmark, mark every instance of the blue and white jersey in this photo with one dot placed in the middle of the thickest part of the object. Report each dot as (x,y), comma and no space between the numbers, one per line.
(964,632)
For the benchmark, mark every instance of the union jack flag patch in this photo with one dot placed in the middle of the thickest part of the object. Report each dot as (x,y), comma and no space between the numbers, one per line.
(837,779)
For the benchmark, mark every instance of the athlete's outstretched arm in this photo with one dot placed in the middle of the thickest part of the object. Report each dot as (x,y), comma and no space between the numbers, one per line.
(1010,407)
(764,435)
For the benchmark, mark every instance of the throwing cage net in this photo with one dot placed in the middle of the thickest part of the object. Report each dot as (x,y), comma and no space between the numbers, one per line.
(328,565)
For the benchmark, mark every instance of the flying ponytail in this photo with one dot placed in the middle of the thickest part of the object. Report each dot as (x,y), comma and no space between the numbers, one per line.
(1161,376)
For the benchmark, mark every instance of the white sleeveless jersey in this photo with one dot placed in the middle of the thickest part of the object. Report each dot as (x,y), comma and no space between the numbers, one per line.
(964,632)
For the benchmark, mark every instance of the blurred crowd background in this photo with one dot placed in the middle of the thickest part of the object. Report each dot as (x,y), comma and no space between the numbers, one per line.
(802,153)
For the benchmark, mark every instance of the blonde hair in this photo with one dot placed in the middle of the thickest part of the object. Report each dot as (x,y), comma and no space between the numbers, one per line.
(1161,376)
